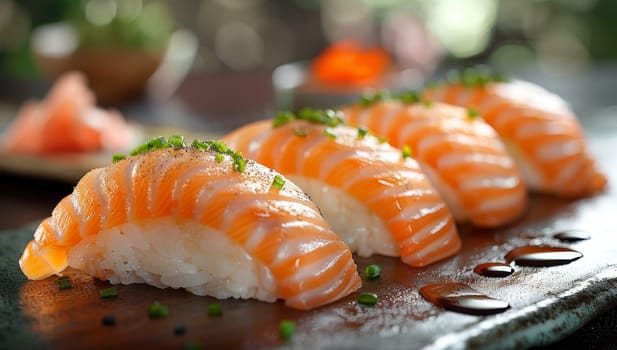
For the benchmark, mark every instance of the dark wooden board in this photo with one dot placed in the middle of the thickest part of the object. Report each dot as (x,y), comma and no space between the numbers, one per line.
(547,303)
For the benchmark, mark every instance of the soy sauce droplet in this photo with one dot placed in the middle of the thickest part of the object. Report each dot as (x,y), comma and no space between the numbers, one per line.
(542,256)
(461,298)
(494,269)
(572,236)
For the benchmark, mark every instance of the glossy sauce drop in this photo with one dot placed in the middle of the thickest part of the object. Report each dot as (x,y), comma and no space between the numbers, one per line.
(461,298)
(494,269)
(572,236)
(542,256)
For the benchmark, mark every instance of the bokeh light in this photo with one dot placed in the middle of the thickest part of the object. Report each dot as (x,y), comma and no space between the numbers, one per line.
(101,12)
(347,19)
(244,35)
(239,46)
(462,26)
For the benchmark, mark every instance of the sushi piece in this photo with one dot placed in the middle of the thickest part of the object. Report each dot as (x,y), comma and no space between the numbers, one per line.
(67,121)
(462,155)
(201,218)
(374,196)
(539,129)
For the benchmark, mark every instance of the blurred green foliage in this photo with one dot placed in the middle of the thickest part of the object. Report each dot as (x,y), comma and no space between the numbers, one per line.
(574,32)
(17,60)
(133,24)
(601,22)
(147,27)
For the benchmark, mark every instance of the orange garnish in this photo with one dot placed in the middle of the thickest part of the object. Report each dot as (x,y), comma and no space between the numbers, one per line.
(347,63)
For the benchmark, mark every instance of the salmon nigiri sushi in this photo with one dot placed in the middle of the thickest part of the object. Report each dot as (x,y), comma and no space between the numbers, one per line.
(373,195)
(539,129)
(463,156)
(201,218)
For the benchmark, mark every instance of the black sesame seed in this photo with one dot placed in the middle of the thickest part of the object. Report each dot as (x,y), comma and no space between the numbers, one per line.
(180,330)
(108,320)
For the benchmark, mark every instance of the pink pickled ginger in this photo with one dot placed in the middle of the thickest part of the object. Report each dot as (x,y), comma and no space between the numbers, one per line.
(67,120)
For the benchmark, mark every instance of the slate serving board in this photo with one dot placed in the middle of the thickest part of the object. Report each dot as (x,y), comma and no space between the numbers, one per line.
(547,304)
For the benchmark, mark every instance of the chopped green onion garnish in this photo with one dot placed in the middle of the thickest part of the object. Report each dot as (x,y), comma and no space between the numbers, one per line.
(367,299)
(362,132)
(428,103)
(406,151)
(140,149)
(329,133)
(177,141)
(239,161)
(287,329)
(117,157)
(155,143)
(472,113)
(219,146)
(199,145)
(301,132)
(192,346)
(282,118)
(373,97)
(366,100)
(409,97)
(110,292)
(158,310)
(382,139)
(278,182)
(372,272)
(475,76)
(326,117)
(64,283)
(215,310)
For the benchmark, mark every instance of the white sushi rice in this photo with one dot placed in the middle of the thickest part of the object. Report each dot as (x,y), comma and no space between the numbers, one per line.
(165,253)
(364,232)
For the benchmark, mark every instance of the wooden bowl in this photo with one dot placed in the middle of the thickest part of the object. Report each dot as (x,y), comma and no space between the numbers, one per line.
(116,75)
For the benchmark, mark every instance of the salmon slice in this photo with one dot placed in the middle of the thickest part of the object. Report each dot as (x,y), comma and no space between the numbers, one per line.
(540,131)
(221,202)
(462,155)
(378,200)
